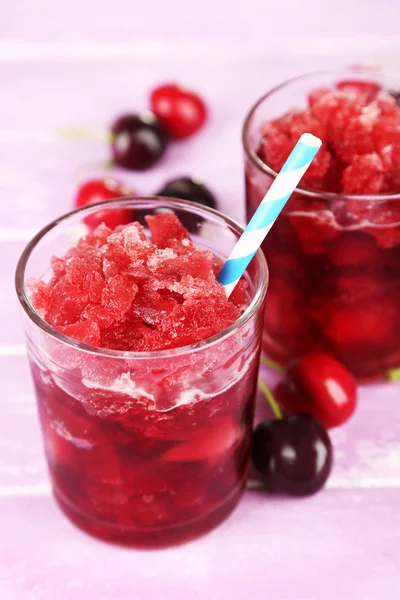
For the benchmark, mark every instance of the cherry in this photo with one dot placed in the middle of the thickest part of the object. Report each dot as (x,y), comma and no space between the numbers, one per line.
(396,95)
(293,455)
(99,190)
(319,385)
(354,248)
(187,188)
(362,329)
(206,445)
(190,189)
(181,111)
(138,141)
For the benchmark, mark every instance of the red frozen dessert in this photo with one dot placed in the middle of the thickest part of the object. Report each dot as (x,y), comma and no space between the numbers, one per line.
(117,289)
(149,448)
(334,252)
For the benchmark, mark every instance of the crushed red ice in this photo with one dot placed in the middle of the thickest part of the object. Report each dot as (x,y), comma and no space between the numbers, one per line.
(118,289)
(359,125)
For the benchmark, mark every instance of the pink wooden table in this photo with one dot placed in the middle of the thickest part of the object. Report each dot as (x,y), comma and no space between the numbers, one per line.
(79,65)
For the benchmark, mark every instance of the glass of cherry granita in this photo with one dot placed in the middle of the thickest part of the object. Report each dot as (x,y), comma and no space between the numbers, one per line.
(145,374)
(334,252)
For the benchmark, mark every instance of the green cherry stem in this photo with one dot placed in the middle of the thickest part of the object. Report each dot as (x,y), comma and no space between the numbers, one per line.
(255,484)
(271,363)
(88,134)
(271,400)
(393,374)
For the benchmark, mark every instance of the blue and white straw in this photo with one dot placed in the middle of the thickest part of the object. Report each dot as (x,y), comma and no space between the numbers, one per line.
(271,205)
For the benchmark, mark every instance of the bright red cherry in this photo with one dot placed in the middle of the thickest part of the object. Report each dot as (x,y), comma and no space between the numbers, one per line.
(319,385)
(182,111)
(100,190)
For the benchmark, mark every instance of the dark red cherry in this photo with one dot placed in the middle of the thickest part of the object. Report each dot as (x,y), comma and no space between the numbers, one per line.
(396,95)
(187,188)
(138,141)
(190,189)
(293,455)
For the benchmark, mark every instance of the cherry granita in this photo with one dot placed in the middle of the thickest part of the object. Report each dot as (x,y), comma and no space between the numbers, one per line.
(117,289)
(334,251)
(353,120)
(147,442)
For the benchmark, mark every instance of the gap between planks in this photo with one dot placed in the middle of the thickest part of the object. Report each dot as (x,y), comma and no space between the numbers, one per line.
(43,489)
(117,51)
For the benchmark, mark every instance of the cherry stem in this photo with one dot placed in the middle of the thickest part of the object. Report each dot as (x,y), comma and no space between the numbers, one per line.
(89,134)
(271,400)
(271,363)
(393,374)
(254,484)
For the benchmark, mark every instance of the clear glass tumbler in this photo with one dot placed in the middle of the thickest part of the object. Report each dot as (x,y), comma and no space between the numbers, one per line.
(334,260)
(146,448)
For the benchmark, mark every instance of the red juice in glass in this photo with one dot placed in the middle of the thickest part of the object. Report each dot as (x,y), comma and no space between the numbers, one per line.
(145,374)
(334,251)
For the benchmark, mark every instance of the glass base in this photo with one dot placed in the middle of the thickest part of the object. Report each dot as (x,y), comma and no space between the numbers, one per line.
(152,537)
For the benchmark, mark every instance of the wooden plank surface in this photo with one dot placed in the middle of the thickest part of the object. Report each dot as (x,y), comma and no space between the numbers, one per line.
(63,66)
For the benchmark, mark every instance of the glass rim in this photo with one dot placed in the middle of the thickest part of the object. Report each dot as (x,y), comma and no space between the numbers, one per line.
(262,166)
(164,203)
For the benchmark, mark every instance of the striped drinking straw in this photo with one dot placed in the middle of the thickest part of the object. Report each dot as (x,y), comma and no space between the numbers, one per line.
(271,205)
